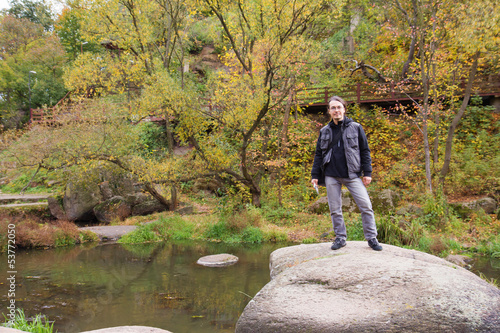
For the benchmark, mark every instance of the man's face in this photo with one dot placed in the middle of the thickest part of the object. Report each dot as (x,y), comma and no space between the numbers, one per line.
(336,111)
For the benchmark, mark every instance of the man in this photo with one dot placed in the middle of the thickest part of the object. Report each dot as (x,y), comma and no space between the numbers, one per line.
(342,157)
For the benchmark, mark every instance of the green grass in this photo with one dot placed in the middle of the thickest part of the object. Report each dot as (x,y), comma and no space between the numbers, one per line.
(165,228)
(39,324)
(490,247)
(223,232)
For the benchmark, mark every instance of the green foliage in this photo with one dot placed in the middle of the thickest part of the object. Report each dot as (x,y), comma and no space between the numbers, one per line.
(490,247)
(310,240)
(204,32)
(474,171)
(354,227)
(68,28)
(386,136)
(252,235)
(240,227)
(36,11)
(31,59)
(279,215)
(88,237)
(64,239)
(143,234)
(424,244)
(152,140)
(40,324)
(436,210)
(38,184)
(165,228)
(275,235)
(236,198)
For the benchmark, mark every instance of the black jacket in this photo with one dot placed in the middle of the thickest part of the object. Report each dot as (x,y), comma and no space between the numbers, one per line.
(353,145)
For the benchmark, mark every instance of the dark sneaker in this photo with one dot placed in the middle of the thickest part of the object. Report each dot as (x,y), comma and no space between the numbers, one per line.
(374,244)
(338,243)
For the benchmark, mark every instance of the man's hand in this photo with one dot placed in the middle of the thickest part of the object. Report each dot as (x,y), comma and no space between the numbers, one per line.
(314,182)
(367,180)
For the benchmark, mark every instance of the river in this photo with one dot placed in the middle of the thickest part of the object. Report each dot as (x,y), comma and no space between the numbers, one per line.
(160,285)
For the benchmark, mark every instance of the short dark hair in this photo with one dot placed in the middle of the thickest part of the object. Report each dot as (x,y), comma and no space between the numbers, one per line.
(338,99)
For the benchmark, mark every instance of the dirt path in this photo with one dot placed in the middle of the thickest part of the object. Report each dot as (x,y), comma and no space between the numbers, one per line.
(110,232)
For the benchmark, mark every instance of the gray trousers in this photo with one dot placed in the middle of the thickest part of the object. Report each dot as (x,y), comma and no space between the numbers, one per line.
(360,195)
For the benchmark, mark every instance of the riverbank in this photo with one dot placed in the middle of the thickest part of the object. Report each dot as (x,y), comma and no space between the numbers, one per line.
(35,227)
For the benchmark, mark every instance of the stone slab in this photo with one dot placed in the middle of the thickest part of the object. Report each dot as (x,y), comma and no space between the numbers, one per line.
(111,232)
(218,260)
(129,329)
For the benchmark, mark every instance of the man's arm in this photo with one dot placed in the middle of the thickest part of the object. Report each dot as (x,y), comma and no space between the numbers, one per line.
(318,161)
(365,155)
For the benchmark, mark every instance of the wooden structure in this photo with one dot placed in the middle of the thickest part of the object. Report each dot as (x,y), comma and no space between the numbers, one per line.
(388,93)
(316,99)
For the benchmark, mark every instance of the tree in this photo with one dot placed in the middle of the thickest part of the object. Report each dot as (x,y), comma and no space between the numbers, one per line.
(267,45)
(475,31)
(96,134)
(25,47)
(265,52)
(37,11)
(439,60)
(68,28)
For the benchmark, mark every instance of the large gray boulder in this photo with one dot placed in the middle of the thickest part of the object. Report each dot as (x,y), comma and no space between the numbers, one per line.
(79,201)
(488,205)
(111,209)
(355,289)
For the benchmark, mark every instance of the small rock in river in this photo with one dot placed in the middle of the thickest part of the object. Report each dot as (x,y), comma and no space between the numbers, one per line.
(218,260)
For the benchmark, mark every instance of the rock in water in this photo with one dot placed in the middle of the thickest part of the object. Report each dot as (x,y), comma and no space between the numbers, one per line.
(218,260)
(129,329)
(355,289)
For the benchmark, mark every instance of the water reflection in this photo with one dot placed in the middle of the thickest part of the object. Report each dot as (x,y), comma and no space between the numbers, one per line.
(159,285)
(489,267)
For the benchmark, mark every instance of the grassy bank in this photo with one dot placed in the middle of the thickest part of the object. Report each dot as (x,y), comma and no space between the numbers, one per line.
(34,228)
(427,232)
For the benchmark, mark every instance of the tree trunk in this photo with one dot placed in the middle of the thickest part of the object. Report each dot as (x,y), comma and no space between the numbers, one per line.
(161,199)
(170,135)
(283,143)
(451,130)
(435,150)
(428,175)
(173,200)
(255,191)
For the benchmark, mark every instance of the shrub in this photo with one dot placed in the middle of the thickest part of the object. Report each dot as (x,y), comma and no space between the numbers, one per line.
(279,215)
(221,231)
(248,217)
(252,235)
(40,324)
(165,228)
(143,234)
(490,247)
(354,227)
(273,233)
(399,231)
(310,240)
(152,140)
(217,231)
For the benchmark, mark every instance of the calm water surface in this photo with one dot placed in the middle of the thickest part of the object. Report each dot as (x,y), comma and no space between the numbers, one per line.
(159,285)
(90,287)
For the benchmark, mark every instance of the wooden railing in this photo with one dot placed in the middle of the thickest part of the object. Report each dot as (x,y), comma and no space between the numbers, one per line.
(361,93)
(364,93)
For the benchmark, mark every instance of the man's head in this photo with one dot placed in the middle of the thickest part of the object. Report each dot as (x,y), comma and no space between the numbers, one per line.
(336,108)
